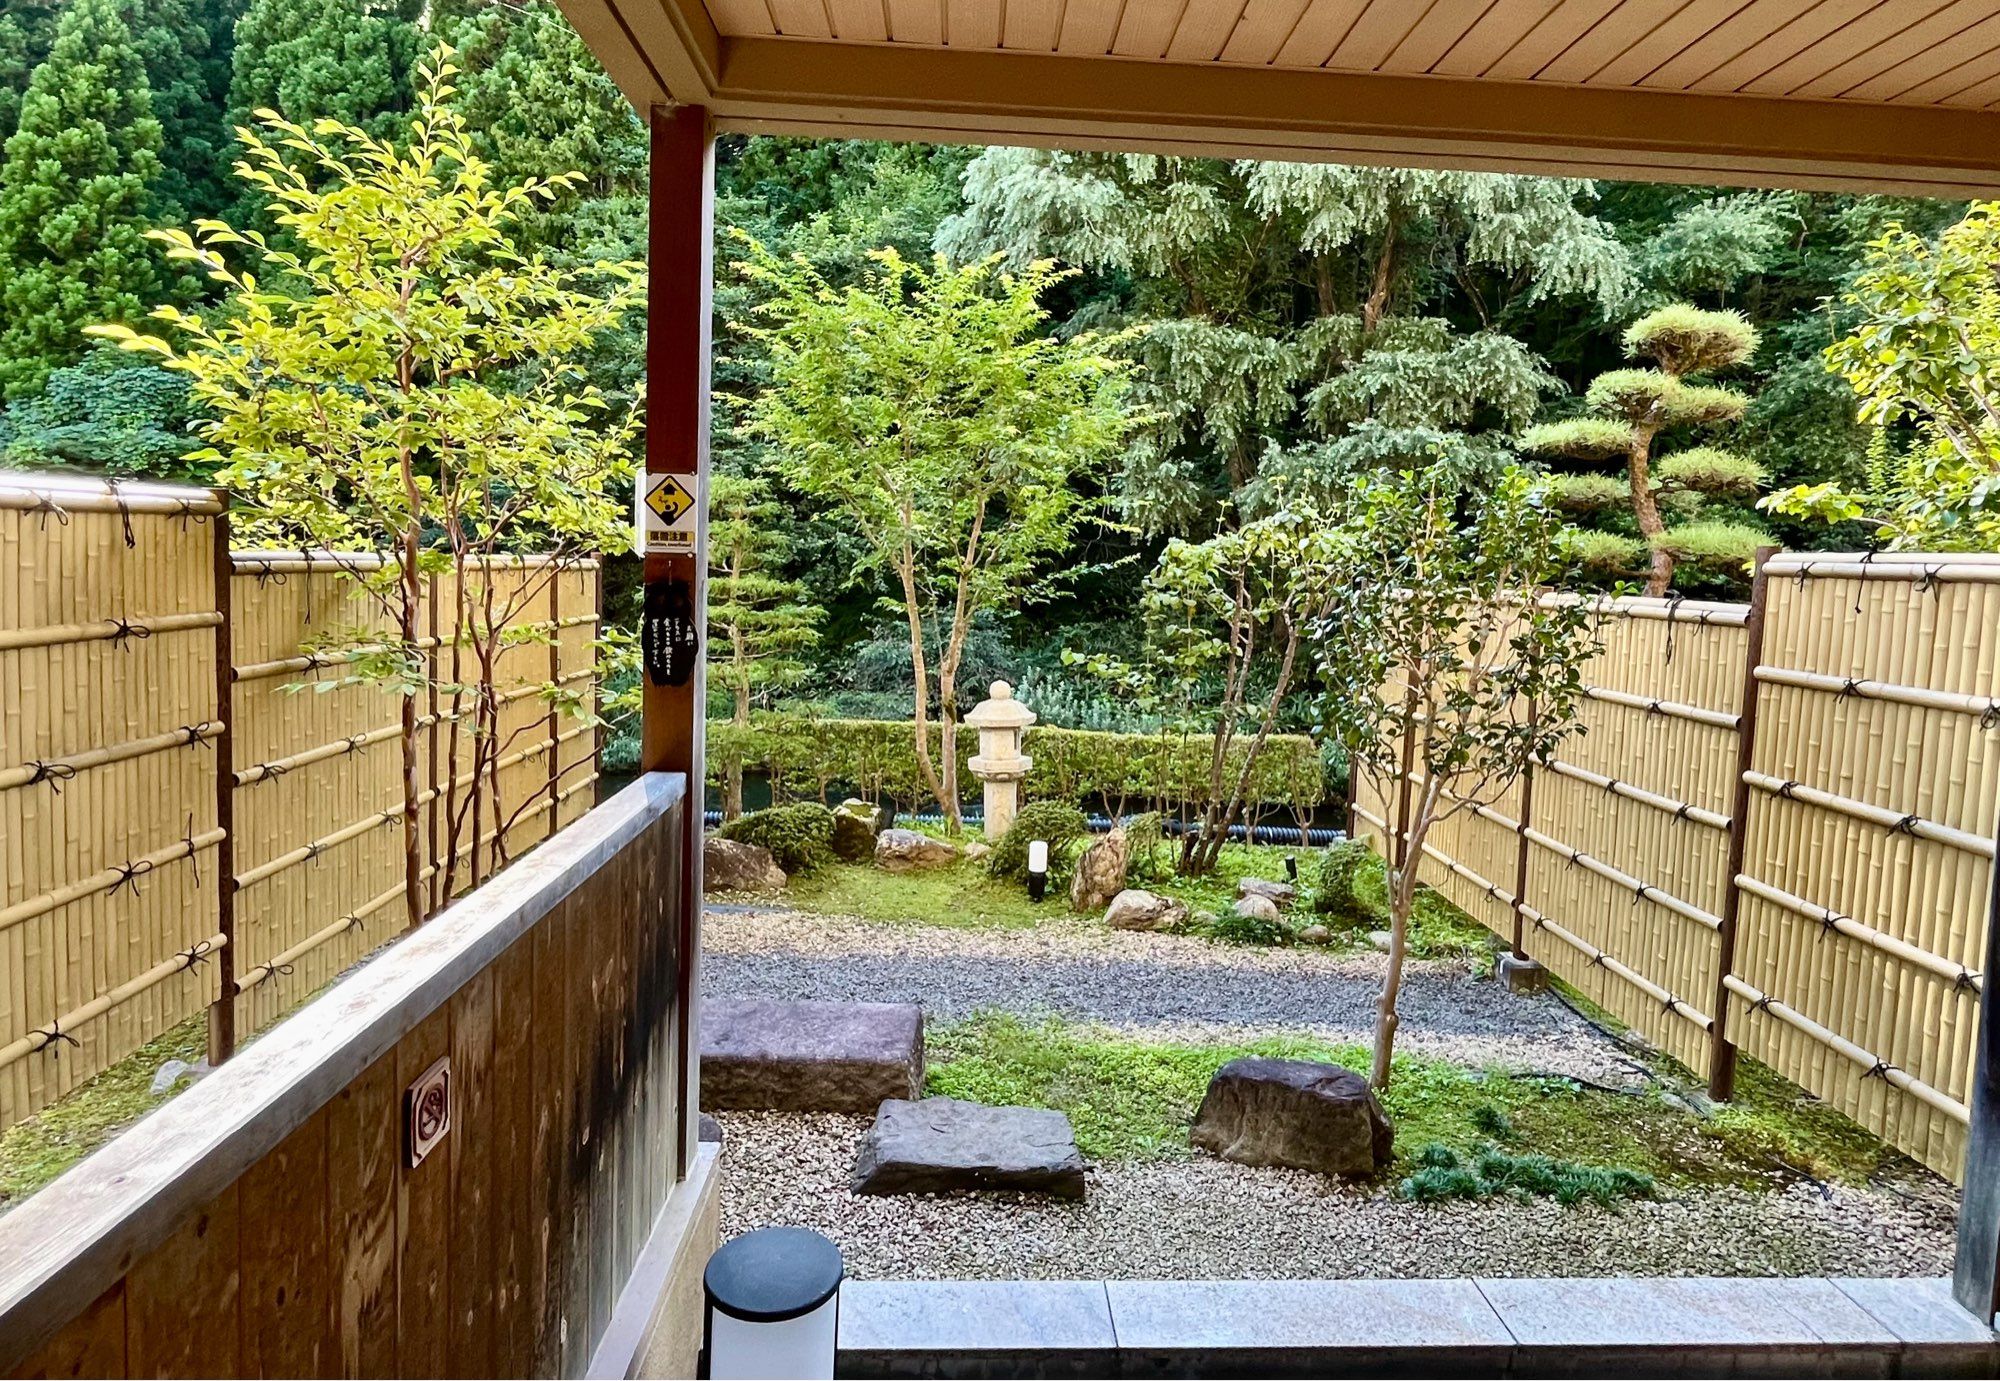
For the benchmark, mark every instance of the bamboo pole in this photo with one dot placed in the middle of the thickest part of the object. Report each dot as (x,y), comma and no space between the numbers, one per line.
(67,766)
(102,630)
(1873,1066)
(1653,705)
(59,1030)
(1722,1051)
(222,1011)
(106,879)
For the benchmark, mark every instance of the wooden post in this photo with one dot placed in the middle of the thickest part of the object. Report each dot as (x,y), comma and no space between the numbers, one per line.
(433,665)
(222,1012)
(1521,857)
(553,722)
(677,343)
(1722,1050)
(1975,1276)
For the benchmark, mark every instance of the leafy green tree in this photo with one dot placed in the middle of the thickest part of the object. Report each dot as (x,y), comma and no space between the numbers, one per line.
(1445,674)
(356,404)
(1630,411)
(26,30)
(76,198)
(758,621)
(110,414)
(1298,322)
(928,409)
(1924,359)
(188,80)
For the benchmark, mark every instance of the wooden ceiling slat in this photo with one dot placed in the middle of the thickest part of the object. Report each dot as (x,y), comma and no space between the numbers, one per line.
(1319,32)
(1265,26)
(1821,22)
(801,18)
(859,21)
(1032,25)
(1948,86)
(1487,41)
(1878,24)
(1088,29)
(1692,67)
(1548,40)
(1922,68)
(1982,96)
(1636,40)
(916,21)
(972,23)
(1204,28)
(1940,28)
(742,17)
(1436,34)
(1383,25)
(1147,28)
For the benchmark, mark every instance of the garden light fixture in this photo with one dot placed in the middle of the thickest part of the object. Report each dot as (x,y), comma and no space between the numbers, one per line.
(773,1303)
(1038,869)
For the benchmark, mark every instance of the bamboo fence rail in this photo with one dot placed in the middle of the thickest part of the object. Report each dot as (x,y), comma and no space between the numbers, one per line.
(1775,834)
(197,801)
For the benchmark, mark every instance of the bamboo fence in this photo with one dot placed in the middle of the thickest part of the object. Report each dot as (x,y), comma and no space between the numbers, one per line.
(199,811)
(1775,834)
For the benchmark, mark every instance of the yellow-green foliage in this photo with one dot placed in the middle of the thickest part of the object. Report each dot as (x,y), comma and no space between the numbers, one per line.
(1590,493)
(1632,394)
(1603,552)
(1714,544)
(1688,340)
(1704,405)
(1579,438)
(809,756)
(1712,471)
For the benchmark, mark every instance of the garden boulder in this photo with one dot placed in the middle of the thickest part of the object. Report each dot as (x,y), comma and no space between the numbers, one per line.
(904,851)
(855,825)
(809,1056)
(938,1145)
(1279,894)
(730,866)
(1100,873)
(1256,907)
(1296,1113)
(1137,909)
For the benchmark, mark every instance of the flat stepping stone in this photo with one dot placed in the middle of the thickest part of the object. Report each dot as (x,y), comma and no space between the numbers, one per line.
(757,1053)
(939,1145)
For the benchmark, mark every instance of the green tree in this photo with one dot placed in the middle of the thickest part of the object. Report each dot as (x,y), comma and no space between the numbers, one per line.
(1298,321)
(76,198)
(357,405)
(1924,359)
(188,80)
(1445,673)
(26,30)
(758,621)
(928,409)
(109,414)
(1630,410)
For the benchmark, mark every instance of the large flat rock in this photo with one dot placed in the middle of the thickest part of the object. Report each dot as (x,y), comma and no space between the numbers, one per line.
(1297,1113)
(809,1056)
(943,1144)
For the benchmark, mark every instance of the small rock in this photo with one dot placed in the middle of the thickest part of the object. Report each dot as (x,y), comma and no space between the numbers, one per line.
(855,825)
(976,851)
(1100,873)
(1279,894)
(1316,935)
(1297,1113)
(1257,908)
(730,866)
(1381,939)
(707,1129)
(1137,909)
(941,1144)
(903,851)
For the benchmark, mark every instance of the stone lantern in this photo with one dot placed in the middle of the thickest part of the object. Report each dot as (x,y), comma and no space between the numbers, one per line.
(1000,765)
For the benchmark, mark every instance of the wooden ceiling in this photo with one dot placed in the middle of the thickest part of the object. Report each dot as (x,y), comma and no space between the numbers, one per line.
(1901,94)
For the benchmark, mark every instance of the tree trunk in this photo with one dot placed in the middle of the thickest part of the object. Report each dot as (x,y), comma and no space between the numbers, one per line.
(1646,509)
(732,778)
(1402,898)
(921,675)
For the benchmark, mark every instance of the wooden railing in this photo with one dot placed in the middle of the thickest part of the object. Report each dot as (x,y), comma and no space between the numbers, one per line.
(277,1219)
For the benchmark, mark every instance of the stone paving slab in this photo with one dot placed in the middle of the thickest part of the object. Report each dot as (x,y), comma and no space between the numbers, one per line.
(1518,1328)
(759,1053)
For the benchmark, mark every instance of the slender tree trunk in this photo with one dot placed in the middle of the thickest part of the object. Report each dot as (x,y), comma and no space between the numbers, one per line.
(1402,897)
(732,780)
(921,675)
(1646,508)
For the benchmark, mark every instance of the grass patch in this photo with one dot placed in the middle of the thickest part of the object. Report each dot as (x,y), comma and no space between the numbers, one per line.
(39,1148)
(961,896)
(1444,1174)
(1438,930)
(1131,1099)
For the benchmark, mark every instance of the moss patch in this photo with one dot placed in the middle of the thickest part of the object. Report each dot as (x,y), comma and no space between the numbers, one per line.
(39,1148)
(961,896)
(1131,1099)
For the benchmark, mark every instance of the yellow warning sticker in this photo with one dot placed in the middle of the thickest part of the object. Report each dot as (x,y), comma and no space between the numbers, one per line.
(669,513)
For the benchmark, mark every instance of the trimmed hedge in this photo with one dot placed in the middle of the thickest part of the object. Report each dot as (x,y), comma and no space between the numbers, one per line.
(808,756)
(800,837)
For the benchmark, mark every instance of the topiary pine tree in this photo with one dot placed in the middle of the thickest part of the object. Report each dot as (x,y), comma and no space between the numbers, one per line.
(1630,409)
(75,199)
(757,619)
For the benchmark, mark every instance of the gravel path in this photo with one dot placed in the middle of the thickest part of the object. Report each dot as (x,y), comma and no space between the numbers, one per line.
(1203,1218)
(1162,987)
(1206,1219)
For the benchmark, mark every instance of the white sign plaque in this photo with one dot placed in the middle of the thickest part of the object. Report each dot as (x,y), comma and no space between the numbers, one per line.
(668,508)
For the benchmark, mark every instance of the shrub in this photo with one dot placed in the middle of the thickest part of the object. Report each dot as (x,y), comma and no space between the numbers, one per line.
(1338,871)
(1249,930)
(1603,552)
(1441,1175)
(1590,493)
(800,837)
(1713,543)
(1058,822)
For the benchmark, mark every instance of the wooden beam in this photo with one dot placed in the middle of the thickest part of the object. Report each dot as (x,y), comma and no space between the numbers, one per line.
(848,90)
(677,347)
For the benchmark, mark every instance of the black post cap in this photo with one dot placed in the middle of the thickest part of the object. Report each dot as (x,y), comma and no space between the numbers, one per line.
(773,1274)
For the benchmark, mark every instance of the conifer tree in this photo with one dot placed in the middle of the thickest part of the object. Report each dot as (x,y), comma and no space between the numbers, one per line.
(1629,411)
(75,199)
(758,621)
(26,28)
(177,40)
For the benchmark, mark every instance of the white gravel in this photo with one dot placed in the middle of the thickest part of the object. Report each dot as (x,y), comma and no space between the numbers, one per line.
(1202,1218)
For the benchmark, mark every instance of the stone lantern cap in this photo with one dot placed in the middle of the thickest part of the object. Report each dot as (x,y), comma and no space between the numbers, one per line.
(1000,710)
